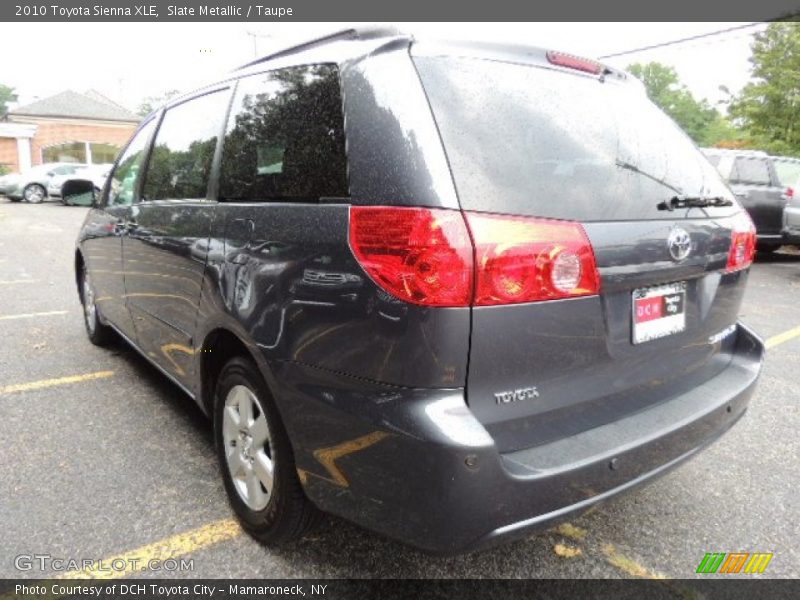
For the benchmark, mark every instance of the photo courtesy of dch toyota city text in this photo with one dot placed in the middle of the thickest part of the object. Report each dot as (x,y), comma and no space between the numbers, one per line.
(388,301)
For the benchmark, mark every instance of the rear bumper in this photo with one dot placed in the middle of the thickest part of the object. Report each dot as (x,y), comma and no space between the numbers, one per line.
(417,466)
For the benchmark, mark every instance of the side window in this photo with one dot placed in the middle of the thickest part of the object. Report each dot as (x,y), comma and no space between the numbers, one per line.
(285,138)
(788,172)
(750,170)
(180,163)
(126,174)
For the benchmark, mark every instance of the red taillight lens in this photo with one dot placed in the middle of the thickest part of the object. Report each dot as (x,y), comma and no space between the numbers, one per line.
(574,62)
(790,192)
(419,255)
(425,256)
(521,259)
(743,244)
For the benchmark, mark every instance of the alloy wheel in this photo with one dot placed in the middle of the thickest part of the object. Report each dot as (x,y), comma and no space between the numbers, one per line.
(246,436)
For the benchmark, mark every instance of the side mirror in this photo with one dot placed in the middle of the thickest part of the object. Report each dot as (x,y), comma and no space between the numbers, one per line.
(78,192)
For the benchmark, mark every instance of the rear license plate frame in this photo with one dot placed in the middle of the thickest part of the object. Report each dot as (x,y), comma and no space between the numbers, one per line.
(658,311)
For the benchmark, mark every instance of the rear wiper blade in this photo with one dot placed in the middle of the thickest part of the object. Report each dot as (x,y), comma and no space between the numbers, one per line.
(631,167)
(693,202)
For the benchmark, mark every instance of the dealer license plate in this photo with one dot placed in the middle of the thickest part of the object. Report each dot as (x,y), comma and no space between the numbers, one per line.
(659,311)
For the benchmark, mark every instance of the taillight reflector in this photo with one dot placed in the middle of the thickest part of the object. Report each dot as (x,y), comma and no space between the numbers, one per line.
(425,256)
(574,62)
(743,244)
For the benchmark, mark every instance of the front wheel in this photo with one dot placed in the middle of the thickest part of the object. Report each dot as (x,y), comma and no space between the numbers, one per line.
(99,333)
(34,193)
(256,458)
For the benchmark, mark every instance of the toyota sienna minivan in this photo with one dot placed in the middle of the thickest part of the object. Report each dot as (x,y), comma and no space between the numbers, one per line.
(452,292)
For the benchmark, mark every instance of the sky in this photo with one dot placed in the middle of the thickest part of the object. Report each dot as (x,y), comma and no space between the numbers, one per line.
(131,61)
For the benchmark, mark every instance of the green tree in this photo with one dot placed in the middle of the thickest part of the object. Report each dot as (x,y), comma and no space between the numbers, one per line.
(769,106)
(7,96)
(151,103)
(701,121)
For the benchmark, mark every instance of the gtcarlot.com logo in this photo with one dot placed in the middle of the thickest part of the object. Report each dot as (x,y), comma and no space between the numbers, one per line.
(46,562)
(734,562)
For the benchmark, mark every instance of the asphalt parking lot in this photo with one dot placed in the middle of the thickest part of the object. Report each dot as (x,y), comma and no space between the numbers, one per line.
(104,458)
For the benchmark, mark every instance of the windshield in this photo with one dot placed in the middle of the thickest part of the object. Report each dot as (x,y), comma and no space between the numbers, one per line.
(531,140)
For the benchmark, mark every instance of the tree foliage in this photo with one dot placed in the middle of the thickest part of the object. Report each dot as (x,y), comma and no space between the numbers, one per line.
(701,121)
(7,96)
(769,106)
(151,103)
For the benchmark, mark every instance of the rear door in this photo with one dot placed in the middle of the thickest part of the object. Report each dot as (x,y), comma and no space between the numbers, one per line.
(529,141)
(759,192)
(166,244)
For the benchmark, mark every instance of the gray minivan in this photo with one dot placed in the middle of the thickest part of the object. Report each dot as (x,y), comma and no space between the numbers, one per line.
(453,292)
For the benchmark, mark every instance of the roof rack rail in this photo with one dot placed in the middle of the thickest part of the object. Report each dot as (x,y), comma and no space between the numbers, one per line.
(351,33)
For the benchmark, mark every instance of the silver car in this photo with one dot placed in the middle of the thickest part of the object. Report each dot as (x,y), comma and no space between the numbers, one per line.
(791,215)
(31,185)
(95,173)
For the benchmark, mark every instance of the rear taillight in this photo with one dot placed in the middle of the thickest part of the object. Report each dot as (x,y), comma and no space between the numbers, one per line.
(521,259)
(790,192)
(425,256)
(419,255)
(743,244)
(575,62)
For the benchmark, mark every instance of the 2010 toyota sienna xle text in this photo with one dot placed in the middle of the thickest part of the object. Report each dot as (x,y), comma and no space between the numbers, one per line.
(452,292)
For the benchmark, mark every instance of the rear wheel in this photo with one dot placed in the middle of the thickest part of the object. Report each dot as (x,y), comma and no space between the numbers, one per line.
(34,193)
(256,458)
(99,333)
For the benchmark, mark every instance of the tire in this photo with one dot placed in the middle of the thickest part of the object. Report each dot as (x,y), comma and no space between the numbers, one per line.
(272,510)
(99,333)
(34,193)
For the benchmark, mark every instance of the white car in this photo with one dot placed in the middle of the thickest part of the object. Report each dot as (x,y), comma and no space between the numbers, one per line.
(31,185)
(97,174)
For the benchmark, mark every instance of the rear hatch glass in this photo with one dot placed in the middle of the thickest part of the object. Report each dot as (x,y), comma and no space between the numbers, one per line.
(560,145)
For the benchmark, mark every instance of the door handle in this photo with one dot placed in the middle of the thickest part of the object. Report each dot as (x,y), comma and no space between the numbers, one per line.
(122,227)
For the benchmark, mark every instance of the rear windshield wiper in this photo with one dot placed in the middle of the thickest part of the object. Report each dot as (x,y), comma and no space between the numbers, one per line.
(693,202)
(631,167)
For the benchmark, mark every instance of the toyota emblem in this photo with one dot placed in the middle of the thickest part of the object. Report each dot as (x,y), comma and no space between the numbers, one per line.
(679,244)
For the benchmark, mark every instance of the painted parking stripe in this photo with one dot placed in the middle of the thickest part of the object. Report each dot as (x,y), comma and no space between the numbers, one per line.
(47,383)
(176,546)
(15,281)
(782,338)
(49,313)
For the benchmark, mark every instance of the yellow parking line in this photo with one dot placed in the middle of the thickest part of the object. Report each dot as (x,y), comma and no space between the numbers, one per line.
(782,338)
(136,561)
(13,281)
(48,313)
(46,383)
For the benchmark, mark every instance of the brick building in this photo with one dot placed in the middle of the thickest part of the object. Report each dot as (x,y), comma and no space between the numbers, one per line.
(67,127)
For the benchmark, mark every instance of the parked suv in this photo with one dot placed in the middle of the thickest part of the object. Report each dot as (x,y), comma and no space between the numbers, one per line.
(762,185)
(452,292)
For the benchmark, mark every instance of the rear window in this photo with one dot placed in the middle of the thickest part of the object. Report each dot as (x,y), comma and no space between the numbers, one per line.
(788,172)
(285,138)
(536,141)
(750,170)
